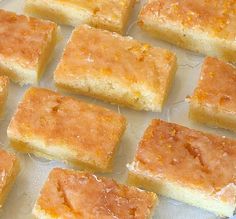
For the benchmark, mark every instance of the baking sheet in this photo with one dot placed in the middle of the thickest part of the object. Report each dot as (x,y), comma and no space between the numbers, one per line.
(34,171)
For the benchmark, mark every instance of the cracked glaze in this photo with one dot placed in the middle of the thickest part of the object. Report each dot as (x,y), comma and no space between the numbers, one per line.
(190,157)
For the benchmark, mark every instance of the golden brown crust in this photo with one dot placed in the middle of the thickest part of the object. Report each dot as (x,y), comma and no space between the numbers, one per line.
(74,195)
(190,158)
(25,46)
(91,54)
(217,86)
(215,17)
(46,120)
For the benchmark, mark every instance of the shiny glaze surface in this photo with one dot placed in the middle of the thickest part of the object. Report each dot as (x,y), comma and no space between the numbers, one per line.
(99,53)
(189,157)
(74,195)
(217,86)
(90,131)
(23,38)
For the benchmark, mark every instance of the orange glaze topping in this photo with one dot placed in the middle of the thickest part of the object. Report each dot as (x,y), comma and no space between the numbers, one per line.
(101,53)
(217,86)
(189,157)
(7,162)
(216,17)
(23,38)
(71,194)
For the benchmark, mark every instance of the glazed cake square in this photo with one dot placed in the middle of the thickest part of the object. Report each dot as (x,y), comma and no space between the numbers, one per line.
(58,127)
(106,14)
(207,27)
(214,99)
(4,84)
(25,47)
(116,69)
(9,168)
(73,194)
(187,165)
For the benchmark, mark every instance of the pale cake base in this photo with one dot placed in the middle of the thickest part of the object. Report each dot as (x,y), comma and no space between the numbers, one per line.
(142,99)
(68,15)
(21,75)
(9,183)
(211,117)
(180,192)
(59,13)
(193,40)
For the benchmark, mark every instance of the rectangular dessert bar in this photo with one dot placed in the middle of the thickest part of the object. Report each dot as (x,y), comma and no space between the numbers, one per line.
(25,46)
(207,27)
(74,194)
(4,84)
(187,165)
(214,99)
(116,69)
(106,14)
(9,168)
(63,128)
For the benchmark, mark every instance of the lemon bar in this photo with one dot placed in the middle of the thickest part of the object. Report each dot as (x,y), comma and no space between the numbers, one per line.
(106,14)
(203,26)
(4,84)
(116,69)
(187,165)
(63,128)
(74,194)
(25,46)
(214,99)
(9,168)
